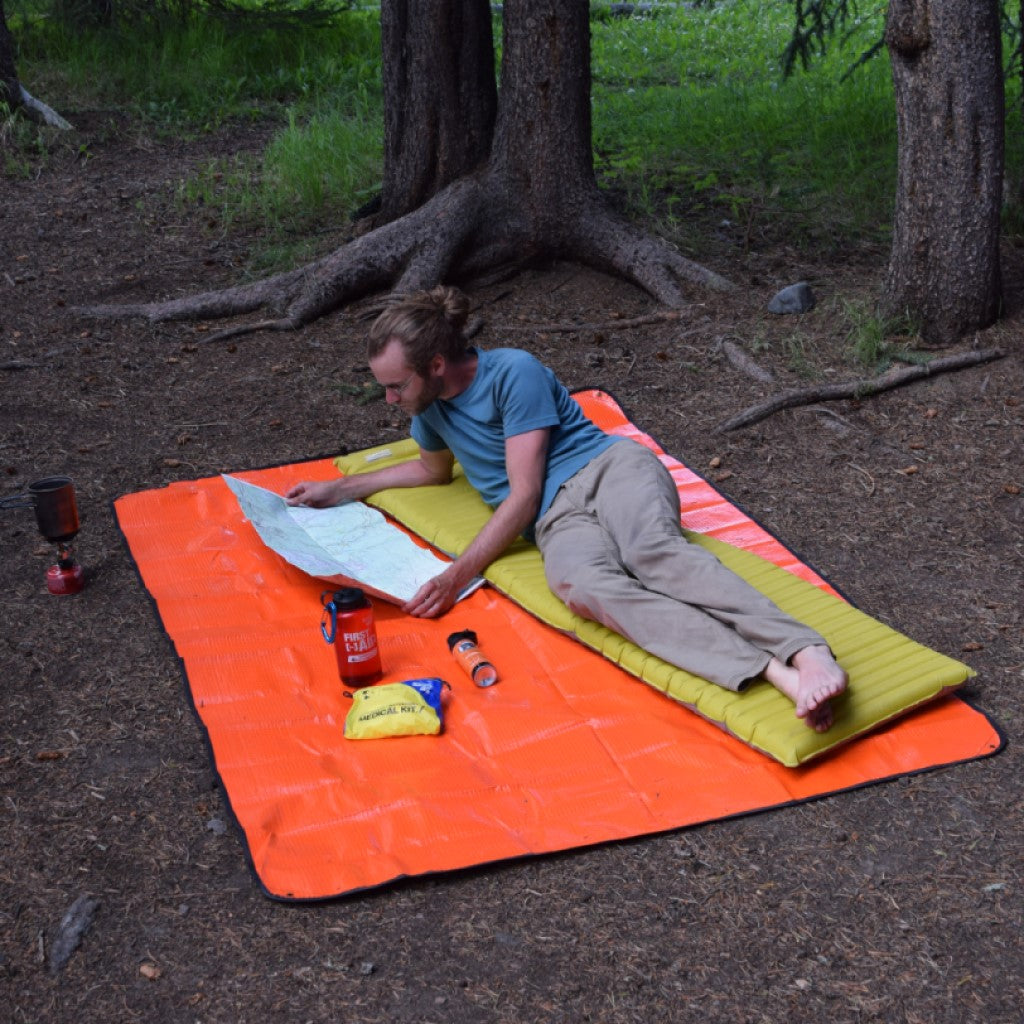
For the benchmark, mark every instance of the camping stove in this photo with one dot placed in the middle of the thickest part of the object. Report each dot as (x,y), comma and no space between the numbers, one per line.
(53,499)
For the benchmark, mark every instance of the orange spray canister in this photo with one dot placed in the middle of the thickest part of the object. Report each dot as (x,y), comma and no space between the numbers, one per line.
(463,646)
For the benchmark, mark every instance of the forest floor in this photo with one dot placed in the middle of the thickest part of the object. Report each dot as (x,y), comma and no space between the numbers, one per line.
(900,902)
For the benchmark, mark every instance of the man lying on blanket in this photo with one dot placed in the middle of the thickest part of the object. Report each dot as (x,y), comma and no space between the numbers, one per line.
(603,510)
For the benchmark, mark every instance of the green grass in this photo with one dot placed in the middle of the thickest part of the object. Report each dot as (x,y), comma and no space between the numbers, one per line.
(692,118)
(192,75)
(694,128)
(323,163)
(875,341)
(320,84)
(22,145)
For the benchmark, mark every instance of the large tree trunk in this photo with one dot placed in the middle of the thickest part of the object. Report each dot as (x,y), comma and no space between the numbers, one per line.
(946,66)
(440,97)
(541,173)
(542,147)
(536,195)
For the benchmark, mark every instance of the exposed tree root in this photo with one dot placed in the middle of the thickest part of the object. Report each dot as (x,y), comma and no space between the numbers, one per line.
(471,227)
(608,242)
(857,388)
(38,111)
(206,305)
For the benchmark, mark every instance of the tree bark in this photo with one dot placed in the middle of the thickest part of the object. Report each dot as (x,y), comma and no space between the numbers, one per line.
(440,97)
(946,63)
(542,161)
(542,145)
(10,89)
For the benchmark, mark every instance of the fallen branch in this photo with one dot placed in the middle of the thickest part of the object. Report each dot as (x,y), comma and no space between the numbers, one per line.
(857,389)
(27,364)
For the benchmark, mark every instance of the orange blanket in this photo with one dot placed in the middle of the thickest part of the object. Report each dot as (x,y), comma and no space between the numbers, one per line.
(566,750)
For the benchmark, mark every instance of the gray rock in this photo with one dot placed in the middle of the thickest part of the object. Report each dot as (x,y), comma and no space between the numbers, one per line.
(797,298)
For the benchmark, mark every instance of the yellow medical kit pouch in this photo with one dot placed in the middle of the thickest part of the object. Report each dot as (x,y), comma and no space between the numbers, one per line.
(410,708)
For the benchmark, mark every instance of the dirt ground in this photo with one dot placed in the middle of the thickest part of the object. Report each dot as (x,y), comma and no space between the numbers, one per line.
(901,902)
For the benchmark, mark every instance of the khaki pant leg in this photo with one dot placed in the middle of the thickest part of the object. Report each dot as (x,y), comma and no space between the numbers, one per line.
(614,552)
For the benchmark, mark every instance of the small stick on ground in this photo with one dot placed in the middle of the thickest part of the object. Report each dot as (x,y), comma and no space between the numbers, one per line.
(610,325)
(240,329)
(870,485)
(744,363)
(858,388)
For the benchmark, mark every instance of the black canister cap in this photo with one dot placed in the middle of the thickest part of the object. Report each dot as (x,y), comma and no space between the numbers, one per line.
(349,598)
(456,638)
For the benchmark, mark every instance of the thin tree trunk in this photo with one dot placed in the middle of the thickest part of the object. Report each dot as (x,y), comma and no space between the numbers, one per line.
(10,89)
(542,144)
(440,97)
(946,63)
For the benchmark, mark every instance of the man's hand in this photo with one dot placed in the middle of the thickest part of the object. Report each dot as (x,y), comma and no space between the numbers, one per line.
(316,493)
(436,596)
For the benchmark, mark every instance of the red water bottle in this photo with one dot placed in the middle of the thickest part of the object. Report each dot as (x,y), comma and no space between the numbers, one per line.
(348,624)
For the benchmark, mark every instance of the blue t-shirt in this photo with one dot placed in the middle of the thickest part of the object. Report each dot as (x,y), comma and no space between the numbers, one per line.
(511,393)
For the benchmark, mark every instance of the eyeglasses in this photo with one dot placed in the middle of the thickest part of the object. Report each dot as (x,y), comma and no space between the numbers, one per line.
(399,388)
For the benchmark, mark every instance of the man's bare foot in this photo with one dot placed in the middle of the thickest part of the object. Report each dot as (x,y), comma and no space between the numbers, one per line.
(810,681)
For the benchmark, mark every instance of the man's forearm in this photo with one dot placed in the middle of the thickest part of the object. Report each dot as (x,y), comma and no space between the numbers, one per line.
(525,457)
(404,474)
(327,493)
(504,527)
(428,469)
